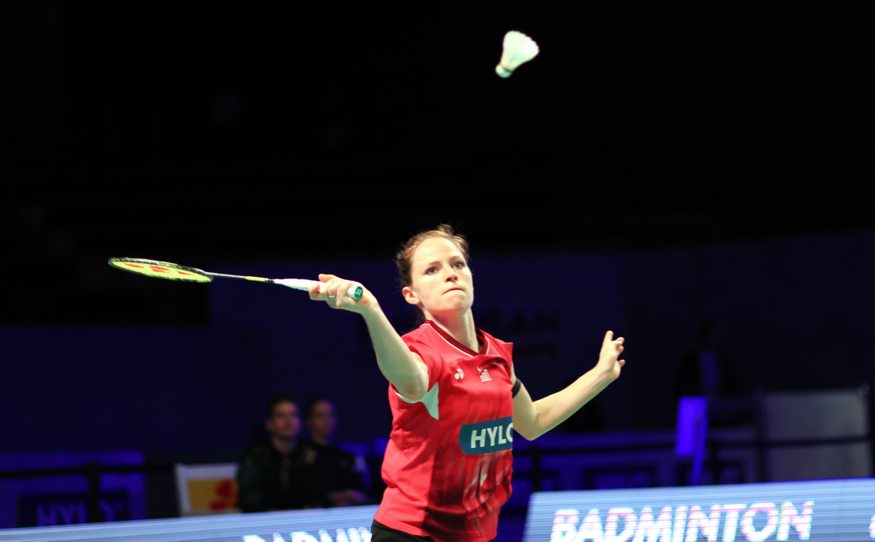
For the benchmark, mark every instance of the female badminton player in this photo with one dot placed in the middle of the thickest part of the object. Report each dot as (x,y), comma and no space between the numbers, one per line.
(454,396)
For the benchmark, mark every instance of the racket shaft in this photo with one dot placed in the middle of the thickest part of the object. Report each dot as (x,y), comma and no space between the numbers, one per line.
(244,277)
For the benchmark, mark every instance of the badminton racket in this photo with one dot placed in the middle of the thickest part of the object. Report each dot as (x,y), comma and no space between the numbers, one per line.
(184,273)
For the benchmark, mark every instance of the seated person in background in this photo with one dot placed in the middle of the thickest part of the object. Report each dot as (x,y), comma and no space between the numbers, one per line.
(279,474)
(340,472)
(707,371)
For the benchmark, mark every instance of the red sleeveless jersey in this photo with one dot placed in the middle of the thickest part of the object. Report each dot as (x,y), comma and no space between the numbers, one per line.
(448,463)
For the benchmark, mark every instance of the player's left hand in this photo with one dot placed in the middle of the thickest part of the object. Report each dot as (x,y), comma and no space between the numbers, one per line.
(608,358)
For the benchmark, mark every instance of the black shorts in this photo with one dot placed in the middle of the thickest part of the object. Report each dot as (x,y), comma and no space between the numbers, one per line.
(381,533)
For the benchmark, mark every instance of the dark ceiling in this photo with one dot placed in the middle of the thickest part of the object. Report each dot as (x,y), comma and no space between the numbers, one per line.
(202,133)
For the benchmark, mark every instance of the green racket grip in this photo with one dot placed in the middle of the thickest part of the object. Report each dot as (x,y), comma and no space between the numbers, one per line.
(357,292)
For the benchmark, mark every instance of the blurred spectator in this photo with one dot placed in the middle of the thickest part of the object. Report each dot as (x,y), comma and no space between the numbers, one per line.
(707,371)
(340,472)
(279,474)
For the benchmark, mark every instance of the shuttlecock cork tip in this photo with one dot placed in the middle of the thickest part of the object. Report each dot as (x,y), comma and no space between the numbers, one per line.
(517,49)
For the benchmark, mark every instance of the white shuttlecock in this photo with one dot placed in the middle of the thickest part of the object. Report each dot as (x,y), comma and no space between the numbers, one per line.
(517,49)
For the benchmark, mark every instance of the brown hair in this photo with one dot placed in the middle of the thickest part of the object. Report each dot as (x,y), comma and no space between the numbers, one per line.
(278,400)
(404,257)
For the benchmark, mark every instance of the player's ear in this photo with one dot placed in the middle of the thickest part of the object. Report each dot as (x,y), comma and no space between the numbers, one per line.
(409,295)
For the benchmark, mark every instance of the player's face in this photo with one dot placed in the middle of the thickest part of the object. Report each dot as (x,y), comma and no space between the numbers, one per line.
(441,281)
(321,420)
(284,423)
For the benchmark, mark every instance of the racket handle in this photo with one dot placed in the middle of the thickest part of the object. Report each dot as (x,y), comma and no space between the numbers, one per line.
(355,291)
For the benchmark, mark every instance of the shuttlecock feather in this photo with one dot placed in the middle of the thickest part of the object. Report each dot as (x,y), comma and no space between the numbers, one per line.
(517,49)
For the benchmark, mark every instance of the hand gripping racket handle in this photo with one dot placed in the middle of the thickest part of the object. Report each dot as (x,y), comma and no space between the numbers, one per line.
(355,291)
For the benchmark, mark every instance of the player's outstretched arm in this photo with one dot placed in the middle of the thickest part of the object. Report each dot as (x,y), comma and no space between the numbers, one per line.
(531,419)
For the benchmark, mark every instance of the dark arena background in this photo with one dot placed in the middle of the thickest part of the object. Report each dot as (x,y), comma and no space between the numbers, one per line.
(697,182)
